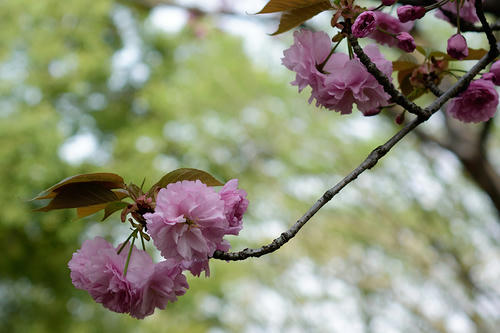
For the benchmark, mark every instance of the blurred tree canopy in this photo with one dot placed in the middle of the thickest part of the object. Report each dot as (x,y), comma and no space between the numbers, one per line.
(412,246)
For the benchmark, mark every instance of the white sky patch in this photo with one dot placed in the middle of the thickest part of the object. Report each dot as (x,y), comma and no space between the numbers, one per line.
(258,45)
(78,148)
(168,19)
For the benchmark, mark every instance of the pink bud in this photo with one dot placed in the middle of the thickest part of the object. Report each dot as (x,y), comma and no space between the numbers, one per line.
(372,112)
(388,2)
(410,13)
(457,47)
(400,118)
(495,70)
(365,24)
(406,42)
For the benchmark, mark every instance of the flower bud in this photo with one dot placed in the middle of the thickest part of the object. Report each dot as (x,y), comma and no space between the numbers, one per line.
(365,24)
(372,112)
(457,47)
(410,13)
(406,42)
(388,2)
(400,118)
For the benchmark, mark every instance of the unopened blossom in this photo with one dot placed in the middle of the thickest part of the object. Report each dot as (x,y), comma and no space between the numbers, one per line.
(364,24)
(457,47)
(387,26)
(495,70)
(478,103)
(350,83)
(98,269)
(406,42)
(308,51)
(188,224)
(388,2)
(467,11)
(235,205)
(410,13)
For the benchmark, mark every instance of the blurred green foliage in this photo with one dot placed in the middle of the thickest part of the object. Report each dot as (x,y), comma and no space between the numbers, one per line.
(186,100)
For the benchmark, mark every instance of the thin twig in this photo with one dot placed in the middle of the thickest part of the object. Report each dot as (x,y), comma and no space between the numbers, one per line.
(487,29)
(368,163)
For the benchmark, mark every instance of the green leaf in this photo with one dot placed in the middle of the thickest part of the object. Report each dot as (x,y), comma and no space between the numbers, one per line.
(113,207)
(292,18)
(274,6)
(186,174)
(108,180)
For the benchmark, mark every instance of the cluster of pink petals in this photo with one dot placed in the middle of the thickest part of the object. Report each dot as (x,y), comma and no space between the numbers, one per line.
(191,219)
(343,81)
(98,269)
(308,51)
(390,24)
(477,103)
(467,11)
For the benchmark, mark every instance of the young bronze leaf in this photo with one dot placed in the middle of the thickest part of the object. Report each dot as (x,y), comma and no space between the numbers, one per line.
(274,6)
(109,180)
(76,195)
(292,18)
(186,174)
(82,212)
(113,207)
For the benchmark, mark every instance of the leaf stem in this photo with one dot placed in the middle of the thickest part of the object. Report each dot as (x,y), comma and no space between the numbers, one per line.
(142,241)
(125,243)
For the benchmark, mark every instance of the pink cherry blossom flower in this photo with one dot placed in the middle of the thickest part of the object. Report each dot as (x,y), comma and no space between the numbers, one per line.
(406,42)
(97,268)
(349,82)
(457,47)
(478,103)
(235,205)
(164,285)
(188,224)
(410,13)
(308,51)
(467,11)
(390,24)
(364,24)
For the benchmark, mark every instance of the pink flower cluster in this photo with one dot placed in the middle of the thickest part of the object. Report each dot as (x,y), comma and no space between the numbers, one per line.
(97,268)
(191,219)
(188,224)
(337,82)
